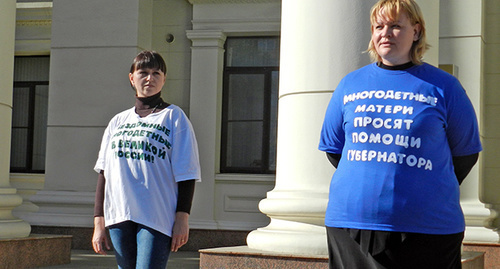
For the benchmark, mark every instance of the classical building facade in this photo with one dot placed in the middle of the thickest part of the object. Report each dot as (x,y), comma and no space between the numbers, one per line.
(214,50)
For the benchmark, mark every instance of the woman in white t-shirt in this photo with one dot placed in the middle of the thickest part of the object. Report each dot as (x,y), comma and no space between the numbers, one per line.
(148,164)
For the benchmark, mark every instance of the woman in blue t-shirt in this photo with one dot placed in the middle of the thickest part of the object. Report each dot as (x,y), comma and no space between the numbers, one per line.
(403,135)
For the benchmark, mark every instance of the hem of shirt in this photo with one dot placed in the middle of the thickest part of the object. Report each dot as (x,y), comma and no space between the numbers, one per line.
(392,228)
(120,220)
(467,153)
(327,150)
(98,168)
(184,178)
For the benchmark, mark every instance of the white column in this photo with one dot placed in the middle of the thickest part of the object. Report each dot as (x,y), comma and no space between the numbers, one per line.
(92,46)
(207,64)
(490,169)
(321,41)
(10,227)
(460,35)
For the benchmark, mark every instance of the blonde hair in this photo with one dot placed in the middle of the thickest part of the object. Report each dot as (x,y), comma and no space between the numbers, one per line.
(392,9)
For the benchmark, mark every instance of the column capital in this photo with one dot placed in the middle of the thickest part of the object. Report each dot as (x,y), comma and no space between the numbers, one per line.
(207,38)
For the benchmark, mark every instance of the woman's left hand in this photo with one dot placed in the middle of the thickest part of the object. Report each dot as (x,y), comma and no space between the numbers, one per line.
(180,232)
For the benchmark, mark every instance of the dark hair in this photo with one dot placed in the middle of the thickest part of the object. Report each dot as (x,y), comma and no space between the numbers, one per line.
(148,59)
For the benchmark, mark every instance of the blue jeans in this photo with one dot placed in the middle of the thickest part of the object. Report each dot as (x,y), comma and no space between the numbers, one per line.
(138,246)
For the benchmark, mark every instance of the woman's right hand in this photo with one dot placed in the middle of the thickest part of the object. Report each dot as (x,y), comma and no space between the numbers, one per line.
(100,239)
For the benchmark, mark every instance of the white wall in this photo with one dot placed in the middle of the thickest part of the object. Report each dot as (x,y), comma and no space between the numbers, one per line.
(223,201)
(91,52)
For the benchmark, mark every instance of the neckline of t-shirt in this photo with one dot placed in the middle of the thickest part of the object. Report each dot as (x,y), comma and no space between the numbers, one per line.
(393,72)
(152,114)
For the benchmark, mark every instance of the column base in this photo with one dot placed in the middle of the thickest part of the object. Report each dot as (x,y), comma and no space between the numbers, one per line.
(14,228)
(11,227)
(480,221)
(289,237)
(481,235)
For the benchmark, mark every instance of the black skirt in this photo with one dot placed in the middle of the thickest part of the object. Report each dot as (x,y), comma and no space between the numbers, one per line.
(366,249)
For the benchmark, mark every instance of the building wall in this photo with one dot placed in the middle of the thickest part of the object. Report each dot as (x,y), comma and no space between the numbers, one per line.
(91,52)
(490,101)
(173,17)
(223,201)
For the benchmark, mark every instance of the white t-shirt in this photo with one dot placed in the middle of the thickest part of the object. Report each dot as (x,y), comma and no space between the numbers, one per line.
(143,159)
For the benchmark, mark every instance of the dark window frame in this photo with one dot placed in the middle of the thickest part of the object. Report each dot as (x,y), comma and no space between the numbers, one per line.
(31,127)
(267,71)
(31,86)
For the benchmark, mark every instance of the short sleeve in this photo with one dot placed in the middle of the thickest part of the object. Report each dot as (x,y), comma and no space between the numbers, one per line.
(462,128)
(332,137)
(100,163)
(185,156)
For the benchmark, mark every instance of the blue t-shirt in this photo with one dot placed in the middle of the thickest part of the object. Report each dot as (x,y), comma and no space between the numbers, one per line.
(397,131)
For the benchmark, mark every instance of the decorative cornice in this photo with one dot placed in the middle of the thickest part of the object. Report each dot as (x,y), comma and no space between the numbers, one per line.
(34,5)
(34,23)
(193,2)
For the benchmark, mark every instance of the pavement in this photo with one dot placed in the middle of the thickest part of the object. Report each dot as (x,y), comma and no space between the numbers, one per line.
(90,260)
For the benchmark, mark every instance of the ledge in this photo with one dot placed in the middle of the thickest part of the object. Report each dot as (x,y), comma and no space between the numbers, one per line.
(244,257)
(35,251)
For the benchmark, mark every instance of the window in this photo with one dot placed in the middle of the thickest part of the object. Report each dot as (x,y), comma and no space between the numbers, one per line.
(29,114)
(250,105)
